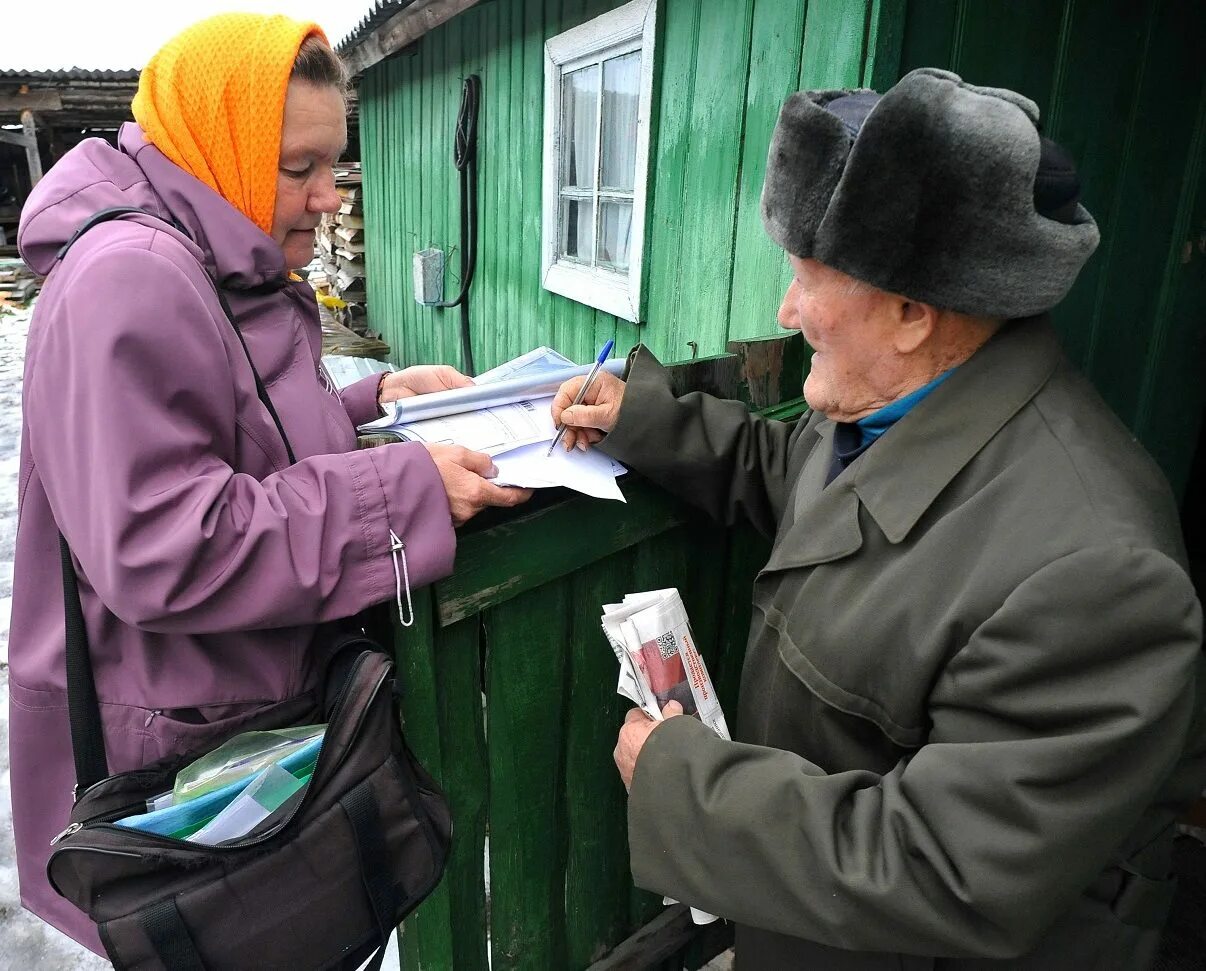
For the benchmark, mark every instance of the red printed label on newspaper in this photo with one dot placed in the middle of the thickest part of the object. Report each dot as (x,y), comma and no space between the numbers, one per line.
(663,670)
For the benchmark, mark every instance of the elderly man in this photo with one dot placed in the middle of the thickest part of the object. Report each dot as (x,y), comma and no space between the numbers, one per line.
(969,714)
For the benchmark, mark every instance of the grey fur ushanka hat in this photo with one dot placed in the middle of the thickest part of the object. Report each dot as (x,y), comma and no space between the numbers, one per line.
(931,195)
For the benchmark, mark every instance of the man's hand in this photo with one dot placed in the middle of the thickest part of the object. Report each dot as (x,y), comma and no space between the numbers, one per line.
(420,379)
(588,422)
(465,474)
(635,731)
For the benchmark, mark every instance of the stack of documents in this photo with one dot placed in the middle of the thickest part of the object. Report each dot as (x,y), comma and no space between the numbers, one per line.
(233,809)
(507,416)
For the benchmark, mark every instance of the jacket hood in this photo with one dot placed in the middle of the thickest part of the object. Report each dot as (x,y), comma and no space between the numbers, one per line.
(94,176)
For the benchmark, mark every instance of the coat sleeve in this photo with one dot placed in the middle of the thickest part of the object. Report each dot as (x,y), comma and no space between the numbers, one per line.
(1052,729)
(360,400)
(132,418)
(710,452)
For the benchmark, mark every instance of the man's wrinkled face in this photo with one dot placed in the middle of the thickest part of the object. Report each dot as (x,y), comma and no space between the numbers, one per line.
(850,327)
(313,137)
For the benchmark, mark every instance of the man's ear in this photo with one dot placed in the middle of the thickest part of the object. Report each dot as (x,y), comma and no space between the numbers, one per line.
(916,323)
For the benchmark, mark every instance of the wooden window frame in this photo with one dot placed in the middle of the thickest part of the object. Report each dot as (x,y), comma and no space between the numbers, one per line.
(623,30)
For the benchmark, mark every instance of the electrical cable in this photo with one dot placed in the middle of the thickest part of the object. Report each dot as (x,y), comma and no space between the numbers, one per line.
(464,157)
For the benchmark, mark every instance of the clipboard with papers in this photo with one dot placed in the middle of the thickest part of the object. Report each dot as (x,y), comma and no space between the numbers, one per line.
(506,415)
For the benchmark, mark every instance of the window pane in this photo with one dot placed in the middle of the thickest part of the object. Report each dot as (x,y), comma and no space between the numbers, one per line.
(577,229)
(579,126)
(621,93)
(615,234)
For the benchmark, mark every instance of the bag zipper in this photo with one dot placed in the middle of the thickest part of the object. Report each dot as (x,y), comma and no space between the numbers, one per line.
(99,822)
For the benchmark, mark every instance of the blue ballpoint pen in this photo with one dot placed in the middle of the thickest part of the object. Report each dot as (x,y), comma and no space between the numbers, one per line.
(590,377)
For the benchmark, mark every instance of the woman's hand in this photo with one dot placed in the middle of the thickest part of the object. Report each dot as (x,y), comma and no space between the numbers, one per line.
(587,423)
(420,379)
(465,476)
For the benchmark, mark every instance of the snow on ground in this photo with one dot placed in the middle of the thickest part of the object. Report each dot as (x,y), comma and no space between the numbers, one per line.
(27,944)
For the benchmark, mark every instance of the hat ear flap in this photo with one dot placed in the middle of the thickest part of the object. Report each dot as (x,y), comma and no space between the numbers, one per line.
(807,156)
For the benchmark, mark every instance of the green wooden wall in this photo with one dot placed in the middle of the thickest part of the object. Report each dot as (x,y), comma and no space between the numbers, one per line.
(1120,82)
(1122,85)
(723,68)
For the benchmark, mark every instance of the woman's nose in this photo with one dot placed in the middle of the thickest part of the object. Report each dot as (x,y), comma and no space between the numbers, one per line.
(325,198)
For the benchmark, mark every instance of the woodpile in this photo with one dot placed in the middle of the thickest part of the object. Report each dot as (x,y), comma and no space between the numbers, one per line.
(18,283)
(341,244)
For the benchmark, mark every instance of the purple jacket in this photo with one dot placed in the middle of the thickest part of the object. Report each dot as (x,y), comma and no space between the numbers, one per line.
(207,563)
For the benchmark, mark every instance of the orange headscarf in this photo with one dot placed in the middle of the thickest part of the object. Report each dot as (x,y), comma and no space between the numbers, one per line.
(212,99)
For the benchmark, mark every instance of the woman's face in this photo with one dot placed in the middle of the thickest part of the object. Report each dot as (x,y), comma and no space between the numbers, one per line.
(313,137)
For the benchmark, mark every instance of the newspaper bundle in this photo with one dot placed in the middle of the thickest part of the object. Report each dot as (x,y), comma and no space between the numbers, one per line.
(659,663)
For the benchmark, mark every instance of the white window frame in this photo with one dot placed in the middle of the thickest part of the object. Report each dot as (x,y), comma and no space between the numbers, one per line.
(620,31)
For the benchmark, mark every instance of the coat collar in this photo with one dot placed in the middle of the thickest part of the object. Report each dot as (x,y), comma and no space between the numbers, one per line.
(234,250)
(899,478)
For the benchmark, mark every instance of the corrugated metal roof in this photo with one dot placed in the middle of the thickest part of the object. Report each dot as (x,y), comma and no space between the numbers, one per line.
(70,74)
(381,12)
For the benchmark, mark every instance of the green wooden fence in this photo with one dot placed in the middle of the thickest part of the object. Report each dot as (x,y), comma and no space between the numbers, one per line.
(510,699)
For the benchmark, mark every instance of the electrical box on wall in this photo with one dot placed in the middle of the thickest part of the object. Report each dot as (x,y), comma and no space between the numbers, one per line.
(429,277)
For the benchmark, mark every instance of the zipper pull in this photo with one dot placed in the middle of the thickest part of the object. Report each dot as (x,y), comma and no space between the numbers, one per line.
(151,717)
(397,549)
(69,831)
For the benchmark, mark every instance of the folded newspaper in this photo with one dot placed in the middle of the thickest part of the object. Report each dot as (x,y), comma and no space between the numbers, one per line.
(659,663)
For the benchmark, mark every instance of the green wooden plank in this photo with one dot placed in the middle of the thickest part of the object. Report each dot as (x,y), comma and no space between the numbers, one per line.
(597,877)
(427,933)
(526,694)
(497,564)
(835,33)
(1090,116)
(1173,395)
(929,34)
(991,37)
(760,269)
(668,179)
(885,43)
(1144,235)
(489,300)
(710,179)
(442,693)
(370,145)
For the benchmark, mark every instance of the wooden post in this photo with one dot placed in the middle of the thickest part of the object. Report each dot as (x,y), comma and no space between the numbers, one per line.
(31,147)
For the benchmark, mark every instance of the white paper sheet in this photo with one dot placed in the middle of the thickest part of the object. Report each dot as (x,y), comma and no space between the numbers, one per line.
(591,473)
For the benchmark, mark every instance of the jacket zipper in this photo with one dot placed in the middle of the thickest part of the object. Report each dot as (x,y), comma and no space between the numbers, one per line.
(98,822)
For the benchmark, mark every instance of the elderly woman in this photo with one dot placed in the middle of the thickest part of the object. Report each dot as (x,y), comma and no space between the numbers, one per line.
(214,541)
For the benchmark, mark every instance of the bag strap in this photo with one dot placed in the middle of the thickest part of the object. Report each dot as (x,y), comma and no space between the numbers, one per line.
(360,805)
(169,936)
(83,707)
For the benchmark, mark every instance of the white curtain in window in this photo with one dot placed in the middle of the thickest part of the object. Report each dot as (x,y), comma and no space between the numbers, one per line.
(579,126)
(621,100)
(615,234)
